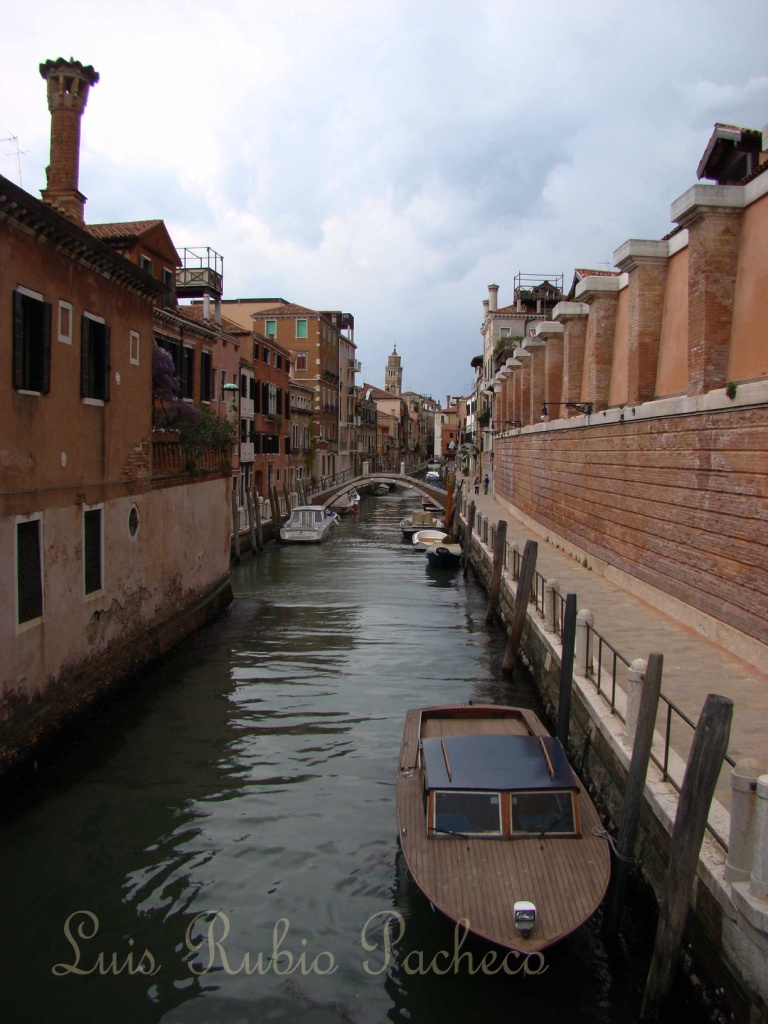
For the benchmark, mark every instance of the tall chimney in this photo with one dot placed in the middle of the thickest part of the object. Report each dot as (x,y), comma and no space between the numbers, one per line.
(68,85)
(493,298)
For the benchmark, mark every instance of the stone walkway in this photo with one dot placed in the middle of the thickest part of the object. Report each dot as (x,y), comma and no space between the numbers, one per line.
(693,666)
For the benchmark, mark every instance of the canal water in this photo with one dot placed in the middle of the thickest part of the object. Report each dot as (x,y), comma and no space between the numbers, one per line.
(221,845)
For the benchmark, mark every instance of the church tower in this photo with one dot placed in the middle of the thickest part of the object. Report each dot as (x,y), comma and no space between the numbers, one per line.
(393,378)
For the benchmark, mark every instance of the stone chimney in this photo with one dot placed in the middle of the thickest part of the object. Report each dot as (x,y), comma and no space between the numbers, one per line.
(493,298)
(68,85)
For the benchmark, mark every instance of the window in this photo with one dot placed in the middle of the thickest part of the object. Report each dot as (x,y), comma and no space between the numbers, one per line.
(65,322)
(188,373)
(29,576)
(278,361)
(214,392)
(301,328)
(271,400)
(467,812)
(543,811)
(256,396)
(31,342)
(266,355)
(206,376)
(270,328)
(92,549)
(145,263)
(301,361)
(504,332)
(94,358)
(255,351)
(169,283)
(134,347)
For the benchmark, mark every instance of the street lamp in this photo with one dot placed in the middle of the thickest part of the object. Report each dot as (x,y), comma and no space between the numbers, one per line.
(582,407)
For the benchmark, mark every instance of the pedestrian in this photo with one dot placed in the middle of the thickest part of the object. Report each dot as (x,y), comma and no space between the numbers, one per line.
(477,485)
(486,481)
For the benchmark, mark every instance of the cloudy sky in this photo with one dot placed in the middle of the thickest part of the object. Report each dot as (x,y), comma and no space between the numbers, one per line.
(390,158)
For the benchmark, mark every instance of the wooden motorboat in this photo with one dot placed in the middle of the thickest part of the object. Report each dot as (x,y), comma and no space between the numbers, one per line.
(495,827)
(444,555)
(423,538)
(347,504)
(420,521)
(308,524)
(380,490)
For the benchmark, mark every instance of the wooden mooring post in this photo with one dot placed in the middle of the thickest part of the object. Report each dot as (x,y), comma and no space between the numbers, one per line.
(705,761)
(277,521)
(452,527)
(566,670)
(235,526)
(633,796)
(527,570)
(251,520)
(468,536)
(499,546)
(257,512)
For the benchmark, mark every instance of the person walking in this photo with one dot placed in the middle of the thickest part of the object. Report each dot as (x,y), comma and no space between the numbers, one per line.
(477,485)
(486,481)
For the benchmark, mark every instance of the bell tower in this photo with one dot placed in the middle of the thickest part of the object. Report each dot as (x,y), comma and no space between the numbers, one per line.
(393,377)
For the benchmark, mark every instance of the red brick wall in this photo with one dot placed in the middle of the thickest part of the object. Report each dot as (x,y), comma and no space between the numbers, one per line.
(678,502)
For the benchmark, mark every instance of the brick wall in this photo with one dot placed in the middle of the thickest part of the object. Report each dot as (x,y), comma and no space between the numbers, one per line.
(678,502)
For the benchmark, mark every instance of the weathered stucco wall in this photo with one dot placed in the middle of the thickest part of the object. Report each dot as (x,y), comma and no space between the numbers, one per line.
(676,501)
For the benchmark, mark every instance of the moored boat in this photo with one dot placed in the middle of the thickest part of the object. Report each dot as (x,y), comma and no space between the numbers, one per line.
(420,521)
(347,503)
(444,555)
(308,524)
(495,826)
(423,538)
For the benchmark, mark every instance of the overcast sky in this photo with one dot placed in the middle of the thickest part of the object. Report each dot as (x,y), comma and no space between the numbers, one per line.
(390,159)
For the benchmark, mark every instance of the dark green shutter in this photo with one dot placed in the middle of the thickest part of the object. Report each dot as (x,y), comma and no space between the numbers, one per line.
(85,357)
(18,340)
(47,317)
(106,363)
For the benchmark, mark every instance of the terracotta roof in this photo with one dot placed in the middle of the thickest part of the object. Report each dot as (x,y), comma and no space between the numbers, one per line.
(596,273)
(289,309)
(122,231)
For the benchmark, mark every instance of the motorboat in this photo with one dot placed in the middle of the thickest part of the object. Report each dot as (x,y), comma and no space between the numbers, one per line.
(444,555)
(420,520)
(496,829)
(423,538)
(308,524)
(429,506)
(347,504)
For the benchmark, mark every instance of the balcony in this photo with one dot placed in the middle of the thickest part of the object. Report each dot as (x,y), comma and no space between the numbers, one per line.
(201,273)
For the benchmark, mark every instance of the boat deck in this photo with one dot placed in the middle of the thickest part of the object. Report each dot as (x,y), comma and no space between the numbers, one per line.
(479,879)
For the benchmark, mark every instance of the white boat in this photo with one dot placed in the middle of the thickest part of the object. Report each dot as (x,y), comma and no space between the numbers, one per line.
(348,503)
(424,538)
(380,489)
(308,524)
(419,521)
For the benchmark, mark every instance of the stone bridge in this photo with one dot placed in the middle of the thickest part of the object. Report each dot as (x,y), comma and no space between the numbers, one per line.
(365,481)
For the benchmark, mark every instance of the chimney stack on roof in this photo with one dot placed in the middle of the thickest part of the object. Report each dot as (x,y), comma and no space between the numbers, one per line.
(68,84)
(493,298)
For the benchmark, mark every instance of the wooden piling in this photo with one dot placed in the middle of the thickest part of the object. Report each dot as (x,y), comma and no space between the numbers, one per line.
(251,521)
(287,497)
(452,527)
(257,511)
(449,500)
(498,565)
(705,761)
(277,519)
(235,527)
(633,796)
(468,536)
(566,670)
(521,605)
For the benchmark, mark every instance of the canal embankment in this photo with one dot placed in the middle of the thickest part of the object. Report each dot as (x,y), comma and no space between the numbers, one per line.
(726,938)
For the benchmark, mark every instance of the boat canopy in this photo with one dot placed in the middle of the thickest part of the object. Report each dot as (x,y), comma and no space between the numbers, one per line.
(497,762)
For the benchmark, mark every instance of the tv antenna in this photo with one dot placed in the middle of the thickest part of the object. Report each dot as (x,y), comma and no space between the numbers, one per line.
(19,154)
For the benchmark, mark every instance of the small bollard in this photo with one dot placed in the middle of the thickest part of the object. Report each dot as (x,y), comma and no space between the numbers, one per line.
(635,679)
(551,593)
(583,660)
(741,839)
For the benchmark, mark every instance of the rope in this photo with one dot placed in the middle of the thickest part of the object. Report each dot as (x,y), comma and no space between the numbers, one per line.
(601,833)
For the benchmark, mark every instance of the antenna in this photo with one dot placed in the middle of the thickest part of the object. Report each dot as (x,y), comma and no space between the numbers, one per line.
(19,154)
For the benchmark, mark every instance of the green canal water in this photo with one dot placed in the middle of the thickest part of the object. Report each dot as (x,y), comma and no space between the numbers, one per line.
(221,845)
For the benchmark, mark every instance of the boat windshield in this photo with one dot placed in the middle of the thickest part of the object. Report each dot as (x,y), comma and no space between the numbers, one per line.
(543,812)
(467,813)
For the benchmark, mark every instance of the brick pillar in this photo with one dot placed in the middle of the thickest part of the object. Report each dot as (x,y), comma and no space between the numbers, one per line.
(713,249)
(68,85)
(573,317)
(538,351)
(602,296)
(552,336)
(525,384)
(645,263)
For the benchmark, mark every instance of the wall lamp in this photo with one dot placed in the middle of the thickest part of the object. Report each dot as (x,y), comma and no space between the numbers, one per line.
(582,407)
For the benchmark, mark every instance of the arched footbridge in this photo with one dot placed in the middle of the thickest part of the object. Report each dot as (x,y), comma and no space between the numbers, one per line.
(332,494)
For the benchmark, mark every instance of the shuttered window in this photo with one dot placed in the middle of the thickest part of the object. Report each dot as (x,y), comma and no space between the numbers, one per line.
(29,577)
(94,359)
(31,343)
(92,549)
